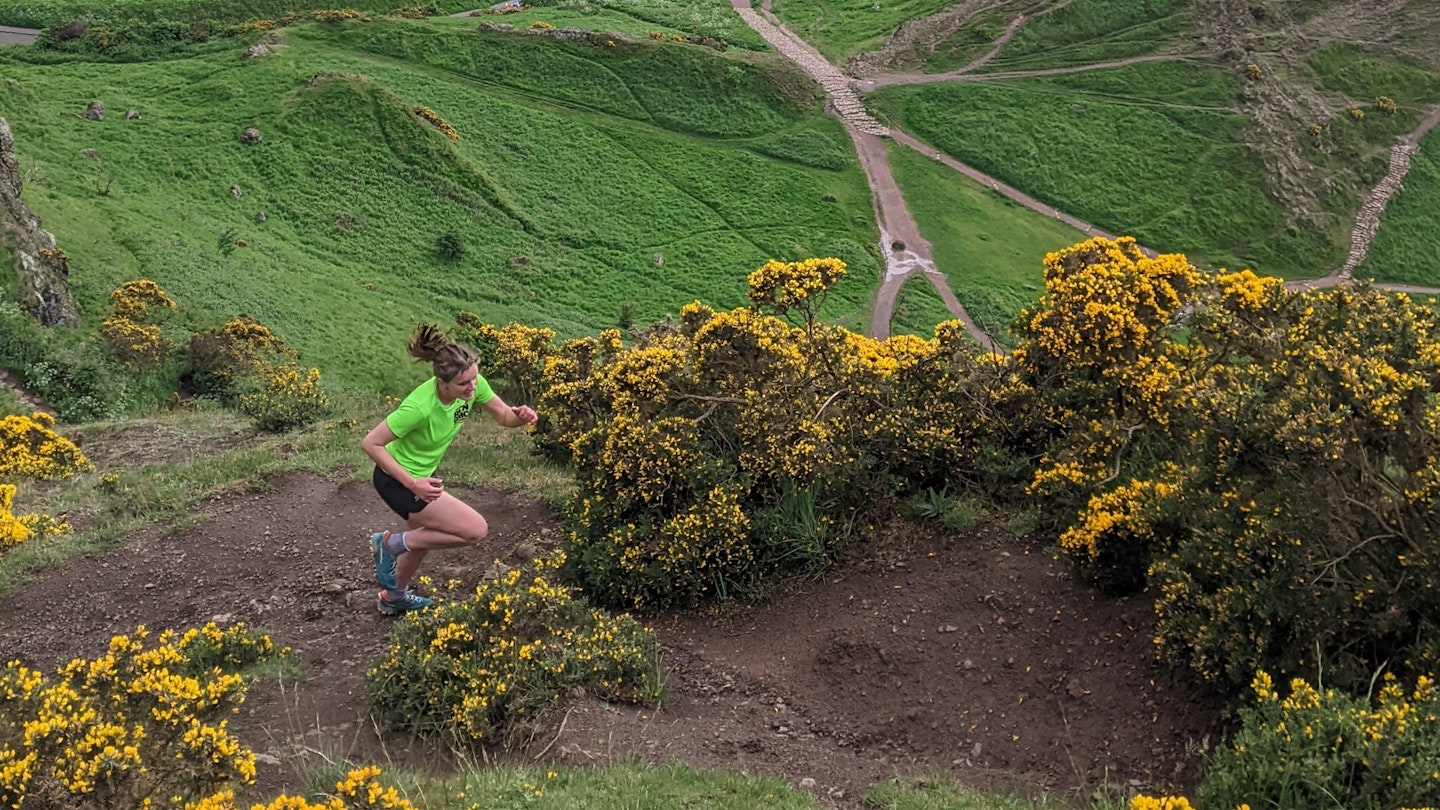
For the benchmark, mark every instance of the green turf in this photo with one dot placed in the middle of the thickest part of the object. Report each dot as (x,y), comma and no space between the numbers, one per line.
(989,247)
(575,166)
(1176,178)
(1407,245)
(840,29)
(1087,31)
(1178,84)
(45,13)
(918,308)
(1364,74)
(972,41)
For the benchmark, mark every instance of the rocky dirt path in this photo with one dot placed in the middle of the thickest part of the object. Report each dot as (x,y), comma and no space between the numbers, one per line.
(1367,222)
(29,400)
(979,654)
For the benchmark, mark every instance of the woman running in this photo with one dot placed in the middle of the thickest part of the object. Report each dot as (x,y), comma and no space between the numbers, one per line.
(407,447)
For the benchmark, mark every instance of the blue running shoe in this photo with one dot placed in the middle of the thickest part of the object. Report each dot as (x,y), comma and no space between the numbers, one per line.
(393,603)
(384,561)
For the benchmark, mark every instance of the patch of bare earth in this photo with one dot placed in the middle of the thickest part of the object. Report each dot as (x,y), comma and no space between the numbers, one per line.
(981,656)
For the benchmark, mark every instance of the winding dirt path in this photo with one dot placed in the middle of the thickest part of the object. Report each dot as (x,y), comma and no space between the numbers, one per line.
(964,74)
(906,252)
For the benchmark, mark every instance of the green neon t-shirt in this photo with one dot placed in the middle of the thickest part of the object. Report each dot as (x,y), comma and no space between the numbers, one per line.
(424,428)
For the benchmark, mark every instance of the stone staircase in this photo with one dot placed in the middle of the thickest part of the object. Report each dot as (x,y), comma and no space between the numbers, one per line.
(837,85)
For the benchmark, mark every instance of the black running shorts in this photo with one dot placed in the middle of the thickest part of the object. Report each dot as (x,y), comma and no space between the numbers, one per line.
(401,501)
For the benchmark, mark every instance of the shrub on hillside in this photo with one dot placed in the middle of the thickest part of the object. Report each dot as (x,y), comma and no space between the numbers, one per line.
(730,446)
(1266,461)
(128,333)
(244,363)
(217,360)
(1316,748)
(30,448)
(478,670)
(285,398)
(135,727)
(16,529)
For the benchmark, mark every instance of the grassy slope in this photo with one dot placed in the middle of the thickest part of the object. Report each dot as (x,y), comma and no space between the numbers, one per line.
(1086,31)
(712,18)
(546,188)
(843,28)
(988,246)
(1177,178)
(918,308)
(1407,245)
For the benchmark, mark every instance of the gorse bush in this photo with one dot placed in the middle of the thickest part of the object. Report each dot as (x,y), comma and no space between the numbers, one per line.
(128,333)
(219,359)
(30,448)
(361,789)
(479,669)
(131,728)
(16,529)
(1324,748)
(1265,460)
(285,398)
(728,446)
(246,364)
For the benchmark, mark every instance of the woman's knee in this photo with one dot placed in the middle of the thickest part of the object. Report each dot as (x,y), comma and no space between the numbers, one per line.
(475,529)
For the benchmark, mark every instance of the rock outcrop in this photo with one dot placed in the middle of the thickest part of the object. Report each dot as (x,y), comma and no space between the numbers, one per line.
(41,267)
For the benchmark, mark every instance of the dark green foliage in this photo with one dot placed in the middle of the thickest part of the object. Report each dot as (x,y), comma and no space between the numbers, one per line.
(807,147)
(1319,747)
(450,248)
(1364,74)
(1179,180)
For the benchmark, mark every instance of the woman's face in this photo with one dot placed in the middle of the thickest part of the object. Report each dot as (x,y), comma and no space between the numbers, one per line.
(461,386)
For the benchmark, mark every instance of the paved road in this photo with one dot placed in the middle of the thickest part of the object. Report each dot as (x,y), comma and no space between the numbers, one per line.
(17,36)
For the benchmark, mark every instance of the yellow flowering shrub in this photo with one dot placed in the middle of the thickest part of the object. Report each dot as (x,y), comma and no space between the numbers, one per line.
(1266,460)
(361,789)
(135,345)
(16,529)
(1326,748)
(128,333)
(483,667)
(133,300)
(436,121)
(246,364)
(1143,802)
(140,726)
(243,348)
(286,397)
(723,447)
(30,448)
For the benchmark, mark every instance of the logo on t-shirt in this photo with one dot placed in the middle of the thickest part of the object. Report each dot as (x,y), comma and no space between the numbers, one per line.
(462,412)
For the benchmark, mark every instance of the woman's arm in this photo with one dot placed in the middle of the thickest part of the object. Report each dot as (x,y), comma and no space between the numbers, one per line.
(426,489)
(506,416)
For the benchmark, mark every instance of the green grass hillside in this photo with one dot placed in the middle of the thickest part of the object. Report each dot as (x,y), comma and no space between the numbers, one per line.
(1160,150)
(585,179)
(989,247)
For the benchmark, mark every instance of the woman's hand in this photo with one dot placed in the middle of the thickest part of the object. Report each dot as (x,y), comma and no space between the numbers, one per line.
(525,414)
(428,489)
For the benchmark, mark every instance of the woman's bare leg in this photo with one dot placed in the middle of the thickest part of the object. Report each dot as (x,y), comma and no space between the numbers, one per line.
(446,522)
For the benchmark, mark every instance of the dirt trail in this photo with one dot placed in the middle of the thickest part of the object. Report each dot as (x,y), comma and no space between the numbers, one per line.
(964,74)
(980,655)
(906,252)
